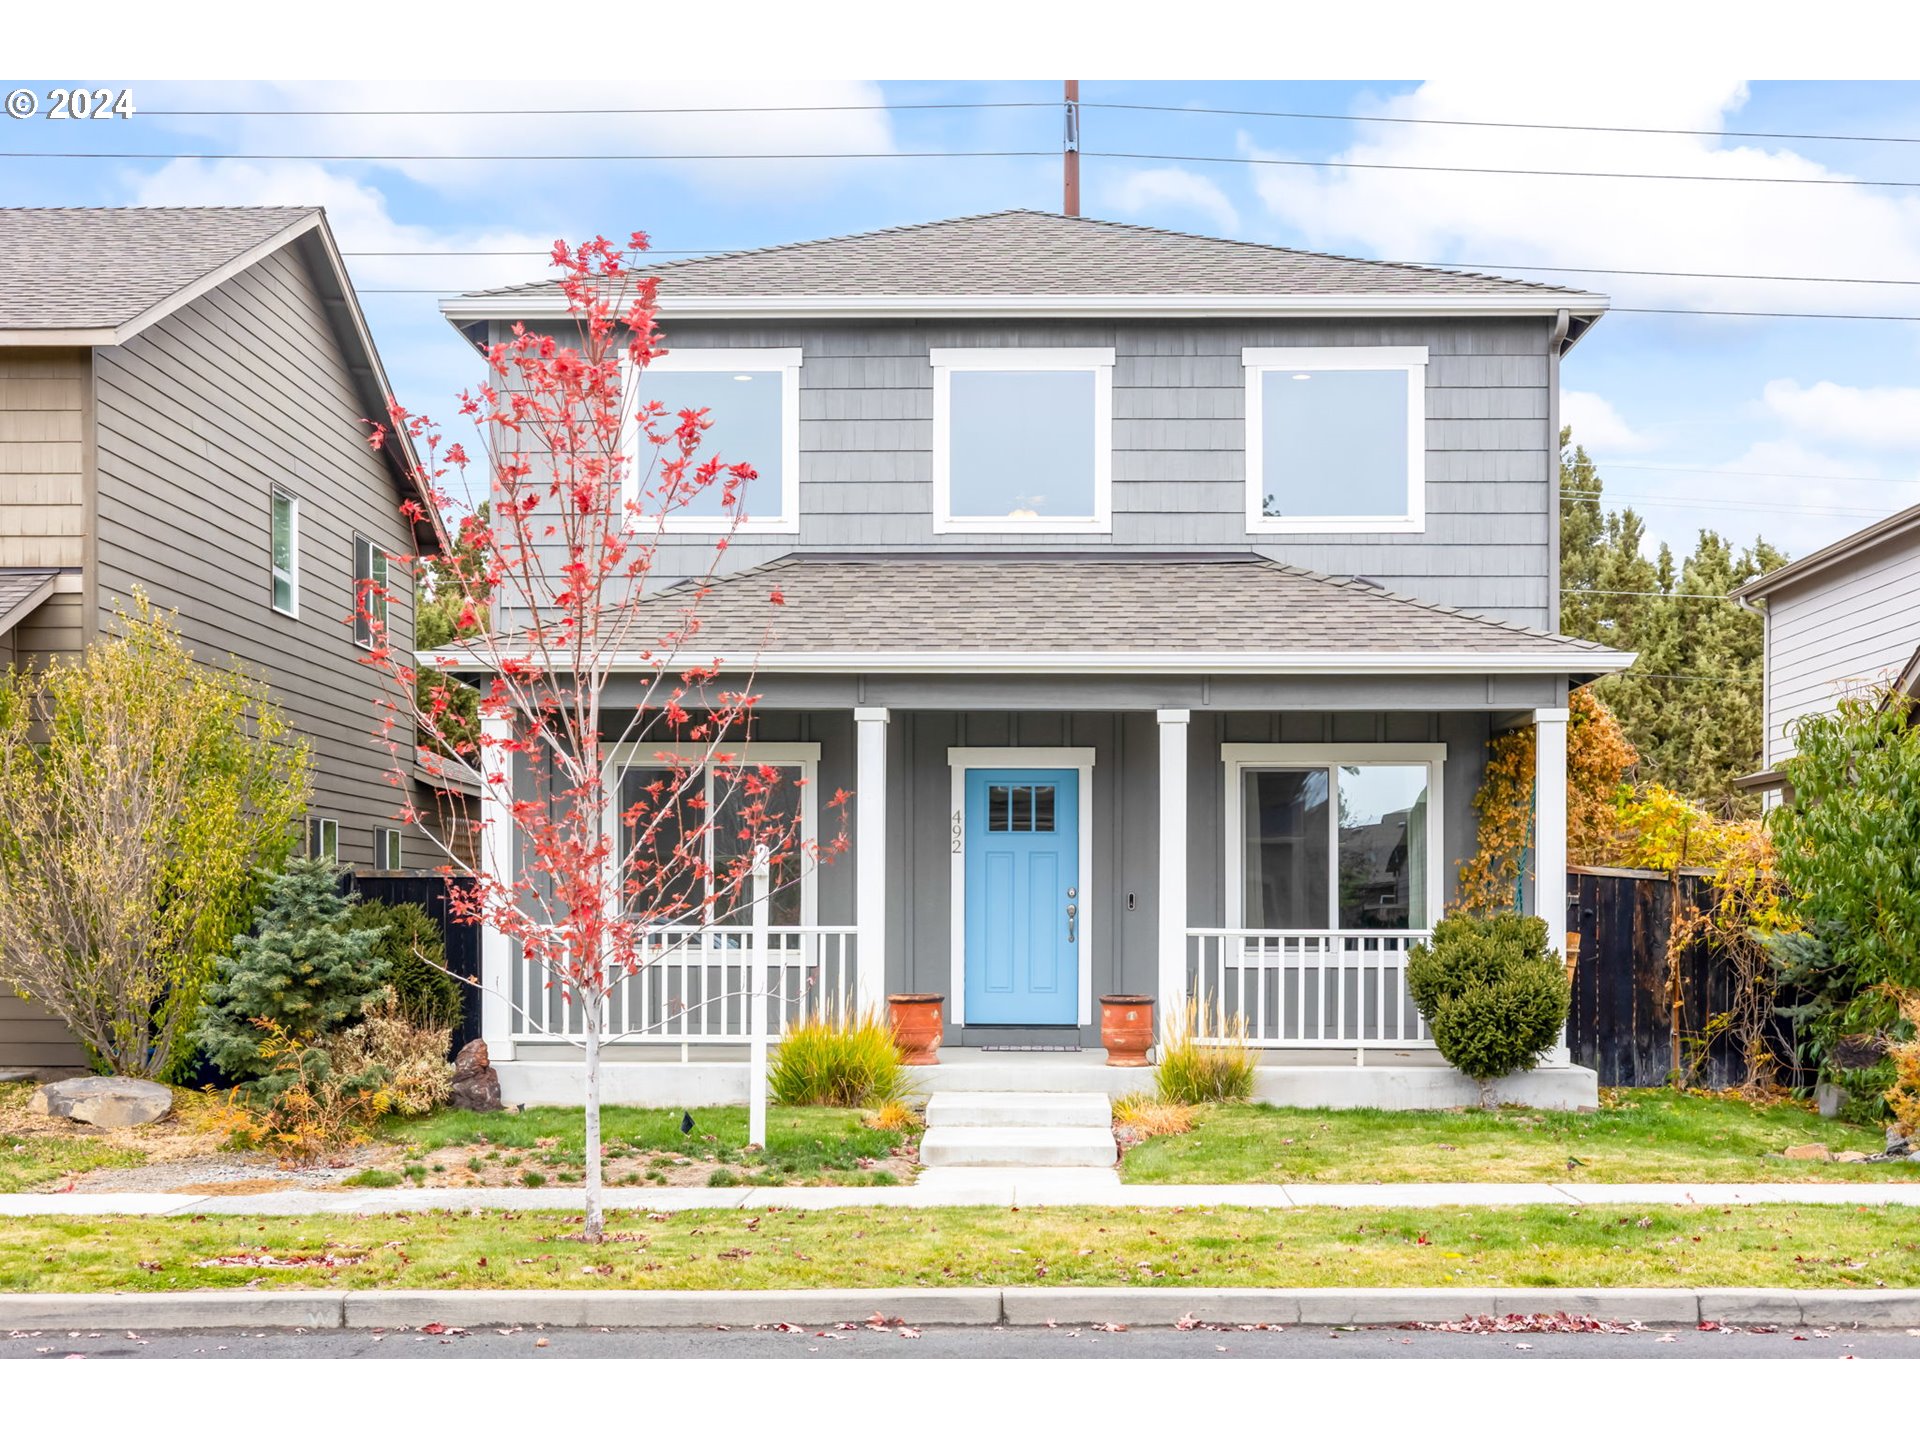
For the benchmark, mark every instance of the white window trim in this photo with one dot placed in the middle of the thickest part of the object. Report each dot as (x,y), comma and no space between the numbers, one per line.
(1099,362)
(278,492)
(696,361)
(323,825)
(961,759)
(806,755)
(383,837)
(1411,359)
(377,558)
(1237,759)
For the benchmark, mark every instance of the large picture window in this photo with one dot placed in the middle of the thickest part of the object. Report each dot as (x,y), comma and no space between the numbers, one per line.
(752,400)
(1323,839)
(720,794)
(1022,440)
(1336,439)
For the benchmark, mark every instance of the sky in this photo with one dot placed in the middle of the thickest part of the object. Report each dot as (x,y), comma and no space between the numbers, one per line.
(1800,430)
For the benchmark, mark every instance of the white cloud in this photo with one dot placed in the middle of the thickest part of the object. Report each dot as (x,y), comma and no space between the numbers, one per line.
(1791,229)
(1597,425)
(431,149)
(1878,417)
(1150,192)
(361,221)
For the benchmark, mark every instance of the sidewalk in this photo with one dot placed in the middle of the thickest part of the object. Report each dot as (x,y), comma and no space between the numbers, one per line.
(999,1188)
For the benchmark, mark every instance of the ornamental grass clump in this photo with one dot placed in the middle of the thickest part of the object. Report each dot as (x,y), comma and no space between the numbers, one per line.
(1493,994)
(1204,1057)
(852,1064)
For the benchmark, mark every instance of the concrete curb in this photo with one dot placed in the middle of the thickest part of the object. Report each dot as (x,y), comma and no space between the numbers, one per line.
(1028,1305)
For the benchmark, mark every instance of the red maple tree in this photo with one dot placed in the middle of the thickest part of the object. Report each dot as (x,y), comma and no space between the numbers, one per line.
(582,475)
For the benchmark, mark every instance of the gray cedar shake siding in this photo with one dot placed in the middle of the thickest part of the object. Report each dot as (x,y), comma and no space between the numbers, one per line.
(199,418)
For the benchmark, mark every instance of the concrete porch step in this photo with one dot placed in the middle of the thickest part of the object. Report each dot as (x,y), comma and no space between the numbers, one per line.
(1002,1108)
(1048,1145)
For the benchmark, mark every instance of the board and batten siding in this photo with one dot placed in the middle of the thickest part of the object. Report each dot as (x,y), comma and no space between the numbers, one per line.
(1844,630)
(199,418)
(1179,400)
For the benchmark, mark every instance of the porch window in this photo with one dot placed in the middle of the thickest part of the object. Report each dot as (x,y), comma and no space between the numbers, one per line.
(752,404)
(718,791)
(1336,439)
(1344,843)
(1022,440)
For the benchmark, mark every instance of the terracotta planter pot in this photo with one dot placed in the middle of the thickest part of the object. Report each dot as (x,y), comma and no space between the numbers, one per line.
(1126,1028)
(916,1025)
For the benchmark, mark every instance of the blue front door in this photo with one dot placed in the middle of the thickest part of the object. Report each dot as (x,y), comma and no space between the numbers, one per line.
(1023,900)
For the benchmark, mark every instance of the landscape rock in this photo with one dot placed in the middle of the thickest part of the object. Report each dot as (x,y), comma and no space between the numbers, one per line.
(1850,1157)
(476,1084)
(1898,1144)
(1815,1151)
(106,1102)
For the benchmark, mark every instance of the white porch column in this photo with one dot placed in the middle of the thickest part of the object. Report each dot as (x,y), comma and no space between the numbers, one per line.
(1172,899)
(498,846)
(870,858)
(1550,838)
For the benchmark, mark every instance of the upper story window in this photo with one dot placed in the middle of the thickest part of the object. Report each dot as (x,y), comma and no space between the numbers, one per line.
(1336,439)
(1022,440)
(752,400)
(286,553)
(370,568)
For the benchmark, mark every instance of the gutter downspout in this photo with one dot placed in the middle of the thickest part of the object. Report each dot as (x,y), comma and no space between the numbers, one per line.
(1561,323)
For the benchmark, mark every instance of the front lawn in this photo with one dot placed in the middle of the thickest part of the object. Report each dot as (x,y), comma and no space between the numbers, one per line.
(1645,1135)
(546,1145)
(1811,1246)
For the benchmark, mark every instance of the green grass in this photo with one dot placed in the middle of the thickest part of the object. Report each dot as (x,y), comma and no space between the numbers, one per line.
(1765,1245)
(29,1160)
(804,1144)
(1636,1135)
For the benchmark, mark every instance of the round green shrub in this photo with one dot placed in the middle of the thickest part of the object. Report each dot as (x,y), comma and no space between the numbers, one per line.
(1493,994)
(415,953)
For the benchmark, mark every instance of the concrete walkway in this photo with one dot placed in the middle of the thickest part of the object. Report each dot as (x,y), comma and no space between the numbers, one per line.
(953,1187)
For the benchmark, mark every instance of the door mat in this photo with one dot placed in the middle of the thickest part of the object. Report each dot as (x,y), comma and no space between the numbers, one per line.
(1030,1049)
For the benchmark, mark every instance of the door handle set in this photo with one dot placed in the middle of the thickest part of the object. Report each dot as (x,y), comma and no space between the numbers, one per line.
(1073,922)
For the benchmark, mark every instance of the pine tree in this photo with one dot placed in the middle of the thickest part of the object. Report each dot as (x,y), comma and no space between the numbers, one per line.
(307,968)
(1691,705)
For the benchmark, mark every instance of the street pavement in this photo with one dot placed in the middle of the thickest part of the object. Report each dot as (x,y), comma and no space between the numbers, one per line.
(967,1343)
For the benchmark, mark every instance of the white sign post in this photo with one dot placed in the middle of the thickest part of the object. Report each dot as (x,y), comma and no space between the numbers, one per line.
(757,1006)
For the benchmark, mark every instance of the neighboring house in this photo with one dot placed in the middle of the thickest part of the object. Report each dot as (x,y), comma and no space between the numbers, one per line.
(1156,596)
(181,403)
(1844,620)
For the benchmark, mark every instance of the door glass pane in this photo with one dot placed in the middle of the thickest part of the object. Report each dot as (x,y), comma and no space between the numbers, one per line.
(1334,442)
(1043,809)
(1021,444)
(999,808)
(1284,822)
(1383,847)
(1022,808)
(741,817)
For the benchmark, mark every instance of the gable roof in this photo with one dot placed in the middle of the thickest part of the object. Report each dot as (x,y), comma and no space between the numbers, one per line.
(999,611)
(1035,261)
(1903,524)
(101,275)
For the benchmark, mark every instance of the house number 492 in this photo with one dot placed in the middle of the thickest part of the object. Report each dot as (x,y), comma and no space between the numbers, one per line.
(958,831)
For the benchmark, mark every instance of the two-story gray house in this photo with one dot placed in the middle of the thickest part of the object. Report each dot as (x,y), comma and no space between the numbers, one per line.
(182,394)
(1155,595)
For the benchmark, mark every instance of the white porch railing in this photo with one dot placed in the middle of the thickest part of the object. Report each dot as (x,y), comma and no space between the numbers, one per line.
(693,987)
(1308,989)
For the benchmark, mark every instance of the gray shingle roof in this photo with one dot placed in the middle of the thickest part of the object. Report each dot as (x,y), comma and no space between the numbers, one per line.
(86,269)
(1032,252)
(20,593)
(1006,604)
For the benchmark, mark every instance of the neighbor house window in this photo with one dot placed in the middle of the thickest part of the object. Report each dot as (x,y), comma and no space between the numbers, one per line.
(752,404)
(1336,439)
(652,824)
(1022,440)
(370,568)
(286,553)
(323,838)
(1324,839)
(386,848)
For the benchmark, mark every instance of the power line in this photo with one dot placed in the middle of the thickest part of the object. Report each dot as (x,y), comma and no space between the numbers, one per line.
(907,106)
(1719,503)
(1755,474)
(1649,594)
(705,157)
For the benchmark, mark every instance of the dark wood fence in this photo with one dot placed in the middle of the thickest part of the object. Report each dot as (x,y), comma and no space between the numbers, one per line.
(429,892)
(1621,1022)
